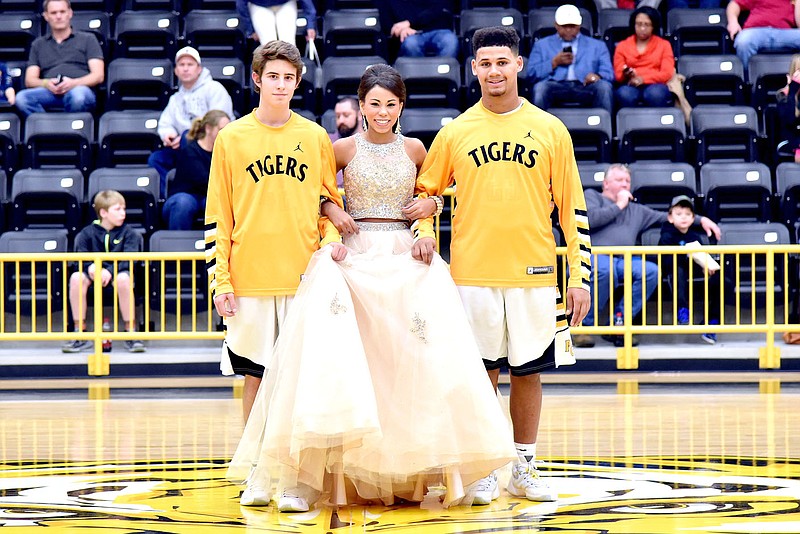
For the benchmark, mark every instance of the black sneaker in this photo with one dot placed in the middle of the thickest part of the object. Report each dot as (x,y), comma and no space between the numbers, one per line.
(134,346)
(619,341)
(77,345)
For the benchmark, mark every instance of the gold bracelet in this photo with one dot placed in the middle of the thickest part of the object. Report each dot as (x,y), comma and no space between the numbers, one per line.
(45,83)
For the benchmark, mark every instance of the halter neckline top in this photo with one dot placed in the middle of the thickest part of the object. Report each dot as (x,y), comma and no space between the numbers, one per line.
(379,180)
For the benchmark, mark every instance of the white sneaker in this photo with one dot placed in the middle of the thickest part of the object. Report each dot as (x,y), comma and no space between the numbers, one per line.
(254,495)
(526,482)
(482,491)
(296,499)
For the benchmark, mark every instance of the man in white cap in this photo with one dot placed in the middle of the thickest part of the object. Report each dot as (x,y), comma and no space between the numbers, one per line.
(198,93)
(570,68)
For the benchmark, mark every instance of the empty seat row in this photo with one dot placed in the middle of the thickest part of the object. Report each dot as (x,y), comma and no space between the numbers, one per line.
(61,198)
(718,132)
(170,281)
(57,140)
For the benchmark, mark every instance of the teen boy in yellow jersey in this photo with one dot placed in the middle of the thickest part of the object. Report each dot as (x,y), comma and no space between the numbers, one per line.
(511,162)
(269,172)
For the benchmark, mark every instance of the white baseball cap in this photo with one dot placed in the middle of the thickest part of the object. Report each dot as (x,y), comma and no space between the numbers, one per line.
(191,52)
(568,14)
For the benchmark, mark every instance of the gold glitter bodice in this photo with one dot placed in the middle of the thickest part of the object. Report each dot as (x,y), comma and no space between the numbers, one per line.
(379,180)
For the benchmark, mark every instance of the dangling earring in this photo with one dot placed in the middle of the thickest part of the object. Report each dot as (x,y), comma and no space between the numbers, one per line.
(396,128)
(364,124)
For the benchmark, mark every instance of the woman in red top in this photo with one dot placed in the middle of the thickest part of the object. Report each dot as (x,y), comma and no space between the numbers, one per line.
(643,63)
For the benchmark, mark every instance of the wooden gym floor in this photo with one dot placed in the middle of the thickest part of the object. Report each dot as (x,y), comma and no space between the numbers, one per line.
(628,453)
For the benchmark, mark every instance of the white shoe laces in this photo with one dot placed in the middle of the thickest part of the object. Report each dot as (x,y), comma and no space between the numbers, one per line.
(486,483)
(528,476)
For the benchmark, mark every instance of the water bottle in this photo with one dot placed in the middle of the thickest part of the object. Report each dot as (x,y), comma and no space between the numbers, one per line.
(618,320)
(106,328)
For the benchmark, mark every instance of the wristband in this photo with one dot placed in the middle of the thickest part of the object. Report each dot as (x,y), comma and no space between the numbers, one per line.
(45,83)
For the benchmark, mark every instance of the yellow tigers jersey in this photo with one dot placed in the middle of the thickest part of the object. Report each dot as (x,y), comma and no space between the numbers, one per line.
(262,211)
(509,169)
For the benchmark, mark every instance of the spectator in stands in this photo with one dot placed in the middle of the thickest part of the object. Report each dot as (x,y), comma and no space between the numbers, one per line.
(789,112)
(271,20)
(63,67)
(106,234)
(644,63)
(198,93)
(625,4)
(348,118)
(616,220)
(771,25)
(348,122)
(7,93)
(187,194)
(679,230)
(423,27)
(569,67)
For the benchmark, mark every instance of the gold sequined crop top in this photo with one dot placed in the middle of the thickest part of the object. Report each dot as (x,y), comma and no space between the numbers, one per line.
(379,180)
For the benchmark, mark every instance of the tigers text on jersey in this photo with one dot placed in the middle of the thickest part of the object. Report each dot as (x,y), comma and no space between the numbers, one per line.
(262,211)
(509,170)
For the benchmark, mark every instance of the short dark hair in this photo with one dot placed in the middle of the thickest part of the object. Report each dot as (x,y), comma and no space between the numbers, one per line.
(353,101)
(651,13)
(495,36)
(381,75)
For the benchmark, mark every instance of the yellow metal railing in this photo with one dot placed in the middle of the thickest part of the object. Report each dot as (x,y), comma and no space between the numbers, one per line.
(764,276)
(172,303)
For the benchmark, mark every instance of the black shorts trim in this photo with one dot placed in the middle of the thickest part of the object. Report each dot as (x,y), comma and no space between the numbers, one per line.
(545,362)
(244,367)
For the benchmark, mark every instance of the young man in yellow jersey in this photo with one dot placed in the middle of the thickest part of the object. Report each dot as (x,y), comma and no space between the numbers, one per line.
(512,162)
(269,172)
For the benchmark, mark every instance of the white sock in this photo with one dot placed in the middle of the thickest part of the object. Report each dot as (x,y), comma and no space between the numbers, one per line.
(526,452)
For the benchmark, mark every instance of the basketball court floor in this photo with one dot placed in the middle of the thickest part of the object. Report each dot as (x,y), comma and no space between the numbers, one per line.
(628,453)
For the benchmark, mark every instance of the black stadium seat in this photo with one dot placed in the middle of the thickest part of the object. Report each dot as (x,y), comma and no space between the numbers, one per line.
(59,140)
(139,84)
(736,192)
(145,34)
(178,276)
(47,199)
(127,138)
(42,286)
(140,187)
(9,142)
(17,32)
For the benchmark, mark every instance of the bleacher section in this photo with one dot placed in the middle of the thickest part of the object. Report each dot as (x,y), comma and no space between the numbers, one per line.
(733,118)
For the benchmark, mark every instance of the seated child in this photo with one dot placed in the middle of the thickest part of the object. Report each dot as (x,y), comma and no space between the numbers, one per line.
(678,231)
(106,234)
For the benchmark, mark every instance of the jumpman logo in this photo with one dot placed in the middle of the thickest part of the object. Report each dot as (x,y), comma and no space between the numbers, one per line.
(298,147)
(529,135)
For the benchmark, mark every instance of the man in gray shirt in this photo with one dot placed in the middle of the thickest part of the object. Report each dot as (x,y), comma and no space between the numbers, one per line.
(63,66)
(616,221)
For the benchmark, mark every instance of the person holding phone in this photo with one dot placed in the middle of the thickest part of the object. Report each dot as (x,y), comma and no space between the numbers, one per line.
(570,68)
(64,66)
(644,63)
